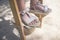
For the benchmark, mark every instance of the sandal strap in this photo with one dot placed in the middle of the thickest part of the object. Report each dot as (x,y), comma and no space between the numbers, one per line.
(25,11)
(26,26)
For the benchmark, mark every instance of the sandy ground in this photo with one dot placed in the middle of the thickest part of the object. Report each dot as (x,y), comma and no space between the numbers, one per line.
(50,28)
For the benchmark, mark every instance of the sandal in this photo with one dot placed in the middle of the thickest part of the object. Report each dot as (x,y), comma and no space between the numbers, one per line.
(29,19)
(41,8)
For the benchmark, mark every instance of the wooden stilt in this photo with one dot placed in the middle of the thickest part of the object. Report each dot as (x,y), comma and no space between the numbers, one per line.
(17,18)
(40,18)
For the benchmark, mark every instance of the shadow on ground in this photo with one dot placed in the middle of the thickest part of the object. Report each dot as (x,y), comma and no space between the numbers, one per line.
(6,31)
(6,28)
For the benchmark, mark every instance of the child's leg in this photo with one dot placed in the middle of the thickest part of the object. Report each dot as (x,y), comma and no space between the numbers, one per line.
(21,5)
(41,1)
(33,2)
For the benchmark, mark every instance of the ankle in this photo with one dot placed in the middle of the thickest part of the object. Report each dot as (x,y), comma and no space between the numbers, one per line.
(32,4)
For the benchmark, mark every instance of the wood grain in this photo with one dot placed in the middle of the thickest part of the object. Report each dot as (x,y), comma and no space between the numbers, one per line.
(17,18)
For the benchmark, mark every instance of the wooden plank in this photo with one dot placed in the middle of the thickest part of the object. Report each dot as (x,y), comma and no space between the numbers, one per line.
(17,18)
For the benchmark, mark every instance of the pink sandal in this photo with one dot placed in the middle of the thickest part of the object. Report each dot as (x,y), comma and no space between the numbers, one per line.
(41,8)
(29,18)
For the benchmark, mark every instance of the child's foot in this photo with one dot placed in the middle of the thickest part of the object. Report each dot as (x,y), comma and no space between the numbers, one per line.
(38,6)
(29,19)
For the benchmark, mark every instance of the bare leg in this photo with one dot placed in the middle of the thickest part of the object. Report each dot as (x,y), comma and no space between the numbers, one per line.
(21,5)
(33,2)
(41,1)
